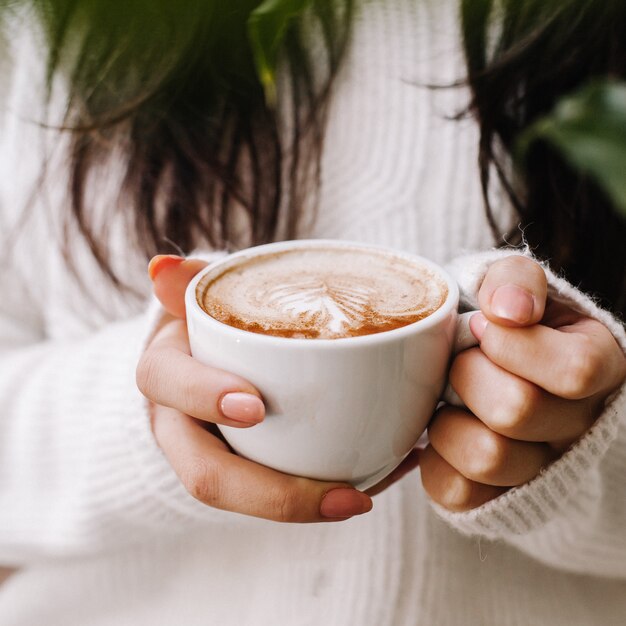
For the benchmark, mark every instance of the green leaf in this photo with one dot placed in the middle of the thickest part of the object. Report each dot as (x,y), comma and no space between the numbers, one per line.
(267,25)
(589,129)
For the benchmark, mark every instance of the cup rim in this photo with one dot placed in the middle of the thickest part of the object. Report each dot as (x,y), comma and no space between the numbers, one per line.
(451,302)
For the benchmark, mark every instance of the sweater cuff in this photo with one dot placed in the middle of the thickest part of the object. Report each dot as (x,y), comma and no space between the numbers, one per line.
(170,504)
(532,505)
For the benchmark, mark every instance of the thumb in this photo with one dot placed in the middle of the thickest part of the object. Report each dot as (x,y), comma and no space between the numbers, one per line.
(514,292)
(170,275)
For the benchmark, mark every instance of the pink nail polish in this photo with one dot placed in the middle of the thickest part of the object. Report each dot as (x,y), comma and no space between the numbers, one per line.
(478,322)
(242,407)
(513,303)
(344,503)
(158,262)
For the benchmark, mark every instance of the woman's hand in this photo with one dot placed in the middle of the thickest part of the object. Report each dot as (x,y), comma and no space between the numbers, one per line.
(189,398)
(536,384)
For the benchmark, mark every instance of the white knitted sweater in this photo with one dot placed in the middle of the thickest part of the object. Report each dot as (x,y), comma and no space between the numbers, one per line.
(94,520)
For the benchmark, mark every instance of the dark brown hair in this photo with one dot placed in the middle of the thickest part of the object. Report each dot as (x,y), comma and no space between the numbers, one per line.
(522,57)
(174,88)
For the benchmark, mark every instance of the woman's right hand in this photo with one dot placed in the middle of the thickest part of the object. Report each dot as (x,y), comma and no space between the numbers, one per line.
(189,398)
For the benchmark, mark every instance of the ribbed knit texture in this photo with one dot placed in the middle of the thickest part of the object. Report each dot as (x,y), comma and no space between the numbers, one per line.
(96,521)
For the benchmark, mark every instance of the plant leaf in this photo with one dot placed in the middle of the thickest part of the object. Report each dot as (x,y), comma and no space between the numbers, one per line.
(266,29)
(589,129)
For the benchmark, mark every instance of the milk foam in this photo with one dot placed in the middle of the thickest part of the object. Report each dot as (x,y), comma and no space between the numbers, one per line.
(325,293)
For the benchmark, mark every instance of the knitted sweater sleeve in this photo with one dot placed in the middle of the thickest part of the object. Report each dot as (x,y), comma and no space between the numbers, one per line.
(80,470)
(573,515)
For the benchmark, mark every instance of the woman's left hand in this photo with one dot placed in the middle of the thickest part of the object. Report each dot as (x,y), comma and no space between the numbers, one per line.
(536,384)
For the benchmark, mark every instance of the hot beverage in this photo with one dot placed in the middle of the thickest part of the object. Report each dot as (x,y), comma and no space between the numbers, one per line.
(322,293)
(351,405)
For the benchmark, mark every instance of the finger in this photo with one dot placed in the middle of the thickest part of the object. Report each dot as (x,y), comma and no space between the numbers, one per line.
(409,463)
(483,455)
(223,480)
(515,407)
(449,488)
(570,362)
(514,292)
(171,275)
(168,375)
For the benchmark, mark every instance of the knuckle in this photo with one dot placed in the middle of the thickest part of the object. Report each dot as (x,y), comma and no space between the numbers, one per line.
(203,480)
(456,494)
(444,484)
(193,397)
(286,505)
(487,458)
(583,368)
(147,372)
(516,409)
(498,344)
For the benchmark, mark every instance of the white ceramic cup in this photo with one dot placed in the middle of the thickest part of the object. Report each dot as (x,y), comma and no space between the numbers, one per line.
(336,409)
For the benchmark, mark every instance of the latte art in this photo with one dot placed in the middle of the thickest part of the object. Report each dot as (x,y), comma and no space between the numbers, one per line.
(331,301)
(322,293)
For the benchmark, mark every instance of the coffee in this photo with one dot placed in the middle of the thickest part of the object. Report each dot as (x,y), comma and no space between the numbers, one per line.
(322,293)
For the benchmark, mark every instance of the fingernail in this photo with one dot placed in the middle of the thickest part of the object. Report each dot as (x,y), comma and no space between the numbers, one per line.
(345,503)
(478,322)
(242,407)
(513,303)
(158,262)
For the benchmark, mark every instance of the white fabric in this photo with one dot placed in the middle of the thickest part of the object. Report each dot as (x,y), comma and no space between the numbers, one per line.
(91,514)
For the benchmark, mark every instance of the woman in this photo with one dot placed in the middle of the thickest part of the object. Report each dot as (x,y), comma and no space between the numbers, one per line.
(120,511)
